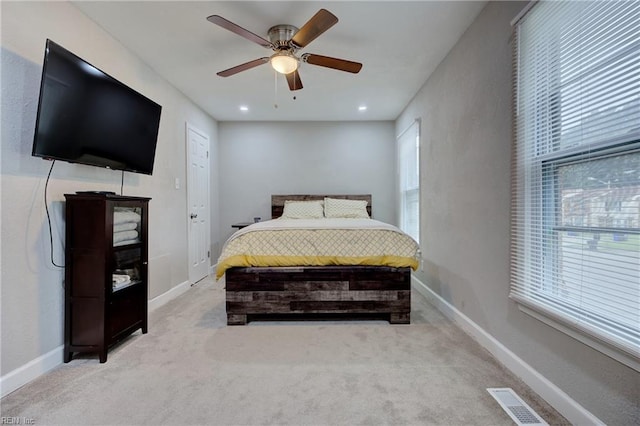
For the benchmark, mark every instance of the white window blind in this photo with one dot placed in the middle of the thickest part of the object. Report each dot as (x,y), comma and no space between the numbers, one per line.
(409,179)
(575,252)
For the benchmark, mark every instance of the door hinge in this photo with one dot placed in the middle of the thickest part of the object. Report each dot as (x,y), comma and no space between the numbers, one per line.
(207,154)
(208,253)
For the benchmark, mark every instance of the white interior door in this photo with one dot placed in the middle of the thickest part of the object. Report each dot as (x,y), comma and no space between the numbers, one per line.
(198,201)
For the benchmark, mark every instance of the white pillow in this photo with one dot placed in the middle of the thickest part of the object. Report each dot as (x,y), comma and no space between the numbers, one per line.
(335,207)
(302,209)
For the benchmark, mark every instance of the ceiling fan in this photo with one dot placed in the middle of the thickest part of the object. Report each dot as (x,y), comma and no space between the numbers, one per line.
(285,41)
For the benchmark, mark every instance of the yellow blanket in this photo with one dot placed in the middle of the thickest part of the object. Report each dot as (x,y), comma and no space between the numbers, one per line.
(319,242)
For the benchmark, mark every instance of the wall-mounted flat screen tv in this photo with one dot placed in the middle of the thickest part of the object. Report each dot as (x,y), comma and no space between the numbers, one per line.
(86,116)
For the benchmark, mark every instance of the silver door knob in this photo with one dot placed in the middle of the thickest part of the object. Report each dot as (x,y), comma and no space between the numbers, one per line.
(193,216)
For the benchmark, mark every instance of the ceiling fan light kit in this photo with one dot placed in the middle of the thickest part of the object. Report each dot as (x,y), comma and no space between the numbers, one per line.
(285,41)
(284,62)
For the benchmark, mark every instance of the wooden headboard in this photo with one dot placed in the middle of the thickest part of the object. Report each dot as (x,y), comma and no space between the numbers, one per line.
(277,201)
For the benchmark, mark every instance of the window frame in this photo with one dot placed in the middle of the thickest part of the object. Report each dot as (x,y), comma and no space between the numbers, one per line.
(412,192)
(536,180)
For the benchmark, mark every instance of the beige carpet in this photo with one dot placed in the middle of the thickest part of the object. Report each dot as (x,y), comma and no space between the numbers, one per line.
(193,369)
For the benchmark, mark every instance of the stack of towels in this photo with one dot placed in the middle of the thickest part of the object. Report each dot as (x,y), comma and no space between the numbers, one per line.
(126,223)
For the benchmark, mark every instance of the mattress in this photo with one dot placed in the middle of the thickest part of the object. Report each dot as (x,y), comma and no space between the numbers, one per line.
(319,242)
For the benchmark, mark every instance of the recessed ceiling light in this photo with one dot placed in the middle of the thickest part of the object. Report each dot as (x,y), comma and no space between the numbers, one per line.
(362,108)
(244,108)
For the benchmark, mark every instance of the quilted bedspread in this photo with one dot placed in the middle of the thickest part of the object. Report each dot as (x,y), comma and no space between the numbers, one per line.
(319,242)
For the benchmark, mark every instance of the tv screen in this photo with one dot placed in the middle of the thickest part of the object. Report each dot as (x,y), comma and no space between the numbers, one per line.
(86,116)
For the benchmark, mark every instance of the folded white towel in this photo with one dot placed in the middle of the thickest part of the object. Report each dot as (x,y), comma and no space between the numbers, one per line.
(125,242)
(127,226)
(122,216)
(120,278)
(124,235)
(121,281)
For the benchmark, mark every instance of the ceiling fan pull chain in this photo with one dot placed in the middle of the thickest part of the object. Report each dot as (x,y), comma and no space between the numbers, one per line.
(275,95)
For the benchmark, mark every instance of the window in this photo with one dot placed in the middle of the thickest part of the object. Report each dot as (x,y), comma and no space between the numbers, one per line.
(409,179)
(576,172)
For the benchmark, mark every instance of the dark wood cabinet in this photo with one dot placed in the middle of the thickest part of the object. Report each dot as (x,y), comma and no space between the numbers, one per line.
(106,270)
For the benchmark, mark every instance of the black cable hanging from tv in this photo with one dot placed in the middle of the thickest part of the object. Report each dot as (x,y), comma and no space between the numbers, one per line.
(46,207)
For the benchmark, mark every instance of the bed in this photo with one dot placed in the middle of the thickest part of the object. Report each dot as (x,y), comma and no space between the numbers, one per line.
(312,262)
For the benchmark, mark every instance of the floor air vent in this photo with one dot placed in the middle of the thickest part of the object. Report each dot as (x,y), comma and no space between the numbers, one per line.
(515,407)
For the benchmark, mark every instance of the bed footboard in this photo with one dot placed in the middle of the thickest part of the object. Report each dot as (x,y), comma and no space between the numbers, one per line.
(318,291)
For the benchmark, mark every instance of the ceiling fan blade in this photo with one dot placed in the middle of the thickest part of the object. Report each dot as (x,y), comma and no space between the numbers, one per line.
(294,81)
(234,28)
(335,63)
(243,67)
(319,23)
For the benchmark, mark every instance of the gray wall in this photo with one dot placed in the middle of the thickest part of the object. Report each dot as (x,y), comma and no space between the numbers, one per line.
(465,173)
(32,305)
(258,159)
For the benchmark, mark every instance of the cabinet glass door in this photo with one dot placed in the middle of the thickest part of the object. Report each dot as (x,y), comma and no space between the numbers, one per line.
(127,253)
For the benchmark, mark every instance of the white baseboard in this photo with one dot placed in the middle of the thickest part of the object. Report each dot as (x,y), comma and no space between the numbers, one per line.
(31,370)
(555,396)
(169,295)
(39,366)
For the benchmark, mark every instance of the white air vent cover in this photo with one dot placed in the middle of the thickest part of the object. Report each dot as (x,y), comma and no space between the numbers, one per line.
(515,407)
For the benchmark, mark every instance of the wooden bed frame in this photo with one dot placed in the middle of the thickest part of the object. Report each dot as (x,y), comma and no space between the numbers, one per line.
(317,292)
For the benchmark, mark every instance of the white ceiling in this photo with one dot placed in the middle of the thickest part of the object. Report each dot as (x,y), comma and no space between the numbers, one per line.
(399,44)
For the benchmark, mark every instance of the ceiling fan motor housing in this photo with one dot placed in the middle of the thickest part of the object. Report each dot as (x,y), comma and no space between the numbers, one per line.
(280,35)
